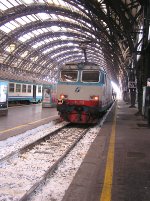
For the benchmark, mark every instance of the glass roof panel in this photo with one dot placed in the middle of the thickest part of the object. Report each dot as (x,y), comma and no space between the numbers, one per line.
(54,17)
(55,28)
(43,16)
(5,29)
(7,4)
(21,21)
(27,36)
(15,24)
(65,57)
(26,19)
(58,46)
(32,17)
(3,7)
(62,52)
(40,31)
(14,2)
(31,34)
(10,25)
(36,32)
(41,1)
(27,1)
(22,39)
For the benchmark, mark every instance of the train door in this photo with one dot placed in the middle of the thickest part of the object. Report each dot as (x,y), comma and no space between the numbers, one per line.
(34,92)
(3,97)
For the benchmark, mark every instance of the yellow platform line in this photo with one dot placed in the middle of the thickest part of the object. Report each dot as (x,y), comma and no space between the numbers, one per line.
(108,178)
(23,125)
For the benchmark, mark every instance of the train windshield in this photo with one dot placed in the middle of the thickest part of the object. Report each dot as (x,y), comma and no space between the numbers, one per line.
(68,76)
(90,76)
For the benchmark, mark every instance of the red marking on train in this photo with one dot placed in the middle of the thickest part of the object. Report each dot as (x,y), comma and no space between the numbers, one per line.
(82,102)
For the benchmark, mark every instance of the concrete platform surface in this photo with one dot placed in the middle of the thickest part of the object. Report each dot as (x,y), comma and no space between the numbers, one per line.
(124,176)
(23,118)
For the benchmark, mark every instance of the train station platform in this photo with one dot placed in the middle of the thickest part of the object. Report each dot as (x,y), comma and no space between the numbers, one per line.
(117,165)
(23,118)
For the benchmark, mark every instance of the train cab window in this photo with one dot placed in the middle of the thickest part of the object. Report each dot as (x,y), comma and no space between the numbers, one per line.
(11,87)
(90,76)
(69,76)
(29,88)
(18,87)
(102,78)
(24,88)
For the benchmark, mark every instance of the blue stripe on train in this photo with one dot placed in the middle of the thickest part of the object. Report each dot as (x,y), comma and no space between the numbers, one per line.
(28,98)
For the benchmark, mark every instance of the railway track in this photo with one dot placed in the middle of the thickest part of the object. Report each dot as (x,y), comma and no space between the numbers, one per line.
(22,171)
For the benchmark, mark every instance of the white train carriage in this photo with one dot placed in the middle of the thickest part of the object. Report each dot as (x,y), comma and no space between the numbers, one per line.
(3,97)
(24,92)
(84,91)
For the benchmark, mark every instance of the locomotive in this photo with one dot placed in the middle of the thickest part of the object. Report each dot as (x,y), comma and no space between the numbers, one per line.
(84,92)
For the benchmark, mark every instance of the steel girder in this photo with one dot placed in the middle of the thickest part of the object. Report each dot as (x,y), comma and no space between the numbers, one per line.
(113,26)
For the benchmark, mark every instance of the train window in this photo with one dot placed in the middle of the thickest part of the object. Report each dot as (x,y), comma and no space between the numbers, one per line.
(29,88)
(68,76)
(18,87)
(11,87)
(90,76)
(102,78)
(39,89)
(24,88)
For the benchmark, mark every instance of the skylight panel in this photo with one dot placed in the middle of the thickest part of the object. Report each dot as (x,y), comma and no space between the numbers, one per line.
(46,40)
(51,39)
(10,25)
(56,2)
(27,36)
(15,3)
(48,50)
(21,21)
(2,7)
(45,30)
(5,29)
(36,32)
(31,34)
(7,4)
(55,28)
(70,44)
(35,46)
(27,20)
(63,37)
(15,24)
(22,39)
(62,52)
(41,43)
(41,1)
(54,38)
(31,17)
(24,54)
(54,17)
(40,31)
(43,16)
(63,29)
(28,1)
(50,1)
(38,44)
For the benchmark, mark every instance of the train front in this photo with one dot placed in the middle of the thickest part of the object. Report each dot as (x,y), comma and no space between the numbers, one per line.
(78,94)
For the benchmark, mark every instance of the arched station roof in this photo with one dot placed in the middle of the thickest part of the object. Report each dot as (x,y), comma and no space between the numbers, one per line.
(37,37)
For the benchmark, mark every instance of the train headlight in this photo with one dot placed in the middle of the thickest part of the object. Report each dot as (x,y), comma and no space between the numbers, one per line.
(95,98)
(62,96)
